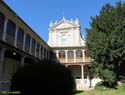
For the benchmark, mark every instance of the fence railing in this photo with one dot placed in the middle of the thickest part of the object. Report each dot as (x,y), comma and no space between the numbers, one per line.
(72,60)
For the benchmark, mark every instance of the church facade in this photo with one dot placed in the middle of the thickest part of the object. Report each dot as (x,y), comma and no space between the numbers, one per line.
(68,45)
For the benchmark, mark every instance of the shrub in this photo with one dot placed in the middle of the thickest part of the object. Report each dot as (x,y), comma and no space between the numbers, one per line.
(122,79)
(121,87)
(43,79)
(100,86)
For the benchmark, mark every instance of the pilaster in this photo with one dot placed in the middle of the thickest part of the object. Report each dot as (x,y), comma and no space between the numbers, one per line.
(4,31)
(15,38)
(66,58)
(30,46)
(24,41)
(74,51)
(83,55)
(22,61)
(2,51)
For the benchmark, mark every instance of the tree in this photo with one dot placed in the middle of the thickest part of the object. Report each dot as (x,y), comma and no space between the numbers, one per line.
(43,78)
(106,42)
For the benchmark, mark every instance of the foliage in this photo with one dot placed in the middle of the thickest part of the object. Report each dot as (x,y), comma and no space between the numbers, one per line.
(101,90)
(44,79)
(100,86)
(123,79)
(121,87)
(106,42)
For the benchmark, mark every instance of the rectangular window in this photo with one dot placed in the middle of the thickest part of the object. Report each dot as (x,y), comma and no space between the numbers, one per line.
(20,35)
(28,40)
(42,50)
(33,44)
(64,37)
(11,28)
(37,50)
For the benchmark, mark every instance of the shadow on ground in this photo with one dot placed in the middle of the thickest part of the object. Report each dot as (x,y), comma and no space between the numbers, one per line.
(78,91)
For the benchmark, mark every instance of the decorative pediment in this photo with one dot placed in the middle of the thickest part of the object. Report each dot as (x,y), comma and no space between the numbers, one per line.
(64,24)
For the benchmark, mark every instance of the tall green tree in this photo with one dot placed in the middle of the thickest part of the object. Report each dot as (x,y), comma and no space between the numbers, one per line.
(106,42)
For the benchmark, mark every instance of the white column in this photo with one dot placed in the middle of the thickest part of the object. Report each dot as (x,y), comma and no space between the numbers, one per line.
(24,41)
(2,51)
(4,31)
(83,54)
(57,54)
(82,71)
(30,46)
(39,51)
(15,38)
(22,61)
(74,51)
(66,56)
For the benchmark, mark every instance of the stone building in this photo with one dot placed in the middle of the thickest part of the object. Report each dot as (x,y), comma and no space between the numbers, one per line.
(19,44)
(68,45)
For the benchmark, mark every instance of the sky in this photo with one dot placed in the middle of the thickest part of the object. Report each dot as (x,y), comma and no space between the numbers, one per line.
(39,13)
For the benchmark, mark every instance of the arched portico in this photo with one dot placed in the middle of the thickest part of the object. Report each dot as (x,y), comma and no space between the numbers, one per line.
(76,71)
(79,71)
(11,63)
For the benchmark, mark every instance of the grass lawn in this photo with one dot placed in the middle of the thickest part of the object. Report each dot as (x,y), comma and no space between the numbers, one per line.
(118,91)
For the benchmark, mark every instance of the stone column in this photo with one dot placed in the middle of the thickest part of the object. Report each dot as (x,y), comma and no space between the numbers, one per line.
(82,71)
(4,31)
(22,61)
(66,56)
(74,51)
(83,54)
(2,51)
(30,46)
(15,38)
(24,41)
